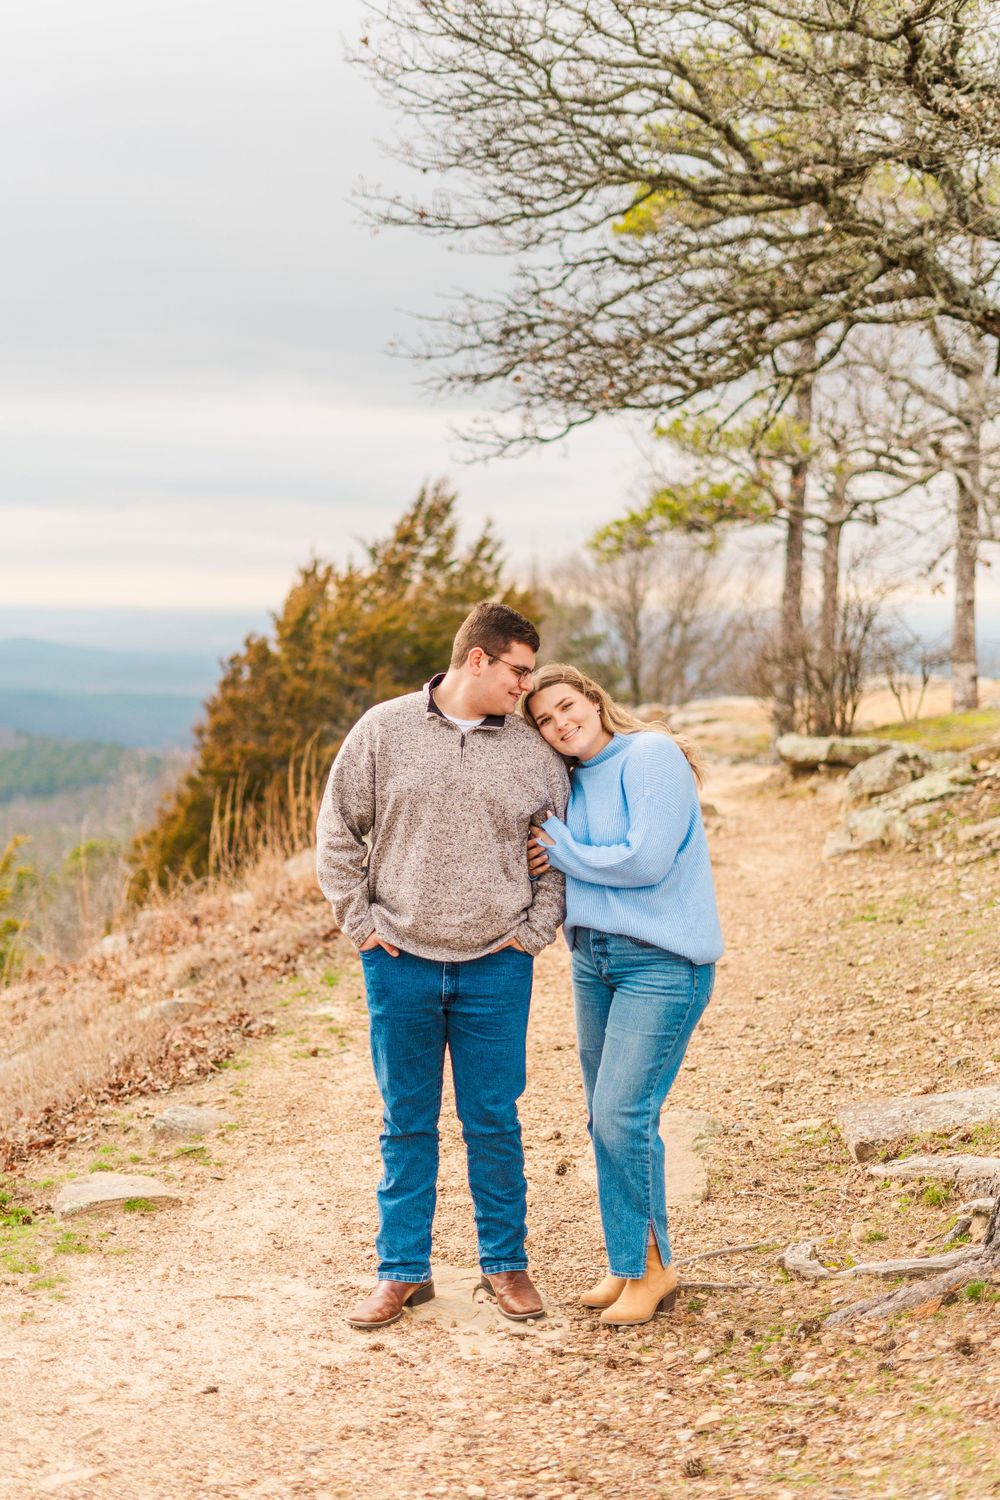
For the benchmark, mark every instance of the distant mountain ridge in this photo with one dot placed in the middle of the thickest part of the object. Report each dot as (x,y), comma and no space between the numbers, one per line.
(32,665)
(139,699)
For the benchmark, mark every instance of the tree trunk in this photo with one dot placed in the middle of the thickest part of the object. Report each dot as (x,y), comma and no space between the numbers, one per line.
(790,639)
(964,670)
(968,480)
(827,669)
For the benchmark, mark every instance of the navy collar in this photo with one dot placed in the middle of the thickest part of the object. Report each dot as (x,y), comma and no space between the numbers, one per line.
(491,721)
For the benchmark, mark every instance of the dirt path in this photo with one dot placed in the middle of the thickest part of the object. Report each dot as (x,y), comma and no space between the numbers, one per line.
(201,1351)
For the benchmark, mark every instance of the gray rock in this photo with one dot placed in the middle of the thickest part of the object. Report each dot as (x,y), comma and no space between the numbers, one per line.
(113,945)
(188,1120)
(168,1010)
(885,772)
(302,867)
(806,752)
(873,825)
(685,1134)
(837,842)
(103,1190)
(872,1123)
(930,788)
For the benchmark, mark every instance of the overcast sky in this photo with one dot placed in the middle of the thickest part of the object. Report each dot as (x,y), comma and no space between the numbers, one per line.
(195,393)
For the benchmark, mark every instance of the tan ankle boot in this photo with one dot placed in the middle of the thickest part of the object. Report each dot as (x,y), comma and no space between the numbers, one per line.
(607,1290)
(642,1299)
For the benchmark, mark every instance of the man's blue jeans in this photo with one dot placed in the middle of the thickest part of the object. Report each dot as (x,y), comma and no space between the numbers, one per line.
(478,1011)
(636,1007)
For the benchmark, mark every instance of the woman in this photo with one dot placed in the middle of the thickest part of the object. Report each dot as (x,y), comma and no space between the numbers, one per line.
(642,924)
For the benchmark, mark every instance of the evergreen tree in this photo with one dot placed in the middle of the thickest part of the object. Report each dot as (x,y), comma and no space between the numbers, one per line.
(346,638)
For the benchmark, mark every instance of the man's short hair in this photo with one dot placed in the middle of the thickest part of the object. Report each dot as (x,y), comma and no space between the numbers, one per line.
(492,627)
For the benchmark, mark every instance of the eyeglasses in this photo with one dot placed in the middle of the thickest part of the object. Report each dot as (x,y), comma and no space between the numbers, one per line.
(523,674)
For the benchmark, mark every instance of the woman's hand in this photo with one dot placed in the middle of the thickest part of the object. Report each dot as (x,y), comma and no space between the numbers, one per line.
(538,860)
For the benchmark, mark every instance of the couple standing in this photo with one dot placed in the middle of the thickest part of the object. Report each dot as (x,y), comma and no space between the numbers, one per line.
(451,843)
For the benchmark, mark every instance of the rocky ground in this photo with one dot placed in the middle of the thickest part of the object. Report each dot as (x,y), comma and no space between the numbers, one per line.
(198,1349)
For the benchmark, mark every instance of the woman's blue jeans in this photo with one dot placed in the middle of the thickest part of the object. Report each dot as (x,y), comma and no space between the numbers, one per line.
(636,1007)
(478,1011)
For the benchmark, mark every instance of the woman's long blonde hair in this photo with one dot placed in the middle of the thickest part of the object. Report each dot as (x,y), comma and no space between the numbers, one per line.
(615,718)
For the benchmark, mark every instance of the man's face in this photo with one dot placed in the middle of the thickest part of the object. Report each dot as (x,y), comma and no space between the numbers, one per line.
(501,685)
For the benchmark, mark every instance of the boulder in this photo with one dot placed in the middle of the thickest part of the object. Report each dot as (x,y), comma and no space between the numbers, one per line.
(103,1190)
(806,752)
(873,1123)
(885,772)
(301,868)
(933,787)
(188,1121)
(168,1010)
(685,1134)
(867,828)
(112,946)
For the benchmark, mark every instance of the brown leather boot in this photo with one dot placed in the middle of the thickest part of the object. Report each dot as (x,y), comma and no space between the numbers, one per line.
(642,1299)
(514,1293)
(387,1301)
(608,1290)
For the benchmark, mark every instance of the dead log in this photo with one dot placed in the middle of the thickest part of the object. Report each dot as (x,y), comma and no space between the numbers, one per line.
(959,1170)
(685,1260)
(979,1262)
(923,1265)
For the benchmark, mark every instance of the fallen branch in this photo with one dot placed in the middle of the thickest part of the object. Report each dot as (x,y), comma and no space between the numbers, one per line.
(718,1286)
(685,1260)
(924,1265)
(978,1262)
(958,1170)
(907,1297)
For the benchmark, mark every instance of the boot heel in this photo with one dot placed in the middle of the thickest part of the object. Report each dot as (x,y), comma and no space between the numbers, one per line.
(421,1295)
(666,1304)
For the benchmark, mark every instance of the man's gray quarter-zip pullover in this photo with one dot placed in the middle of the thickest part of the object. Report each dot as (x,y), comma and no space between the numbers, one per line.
(446,814)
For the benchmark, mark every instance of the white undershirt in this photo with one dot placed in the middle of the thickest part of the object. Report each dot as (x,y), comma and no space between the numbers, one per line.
(464,724)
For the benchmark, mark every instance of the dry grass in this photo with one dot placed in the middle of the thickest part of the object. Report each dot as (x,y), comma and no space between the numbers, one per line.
(74,1036)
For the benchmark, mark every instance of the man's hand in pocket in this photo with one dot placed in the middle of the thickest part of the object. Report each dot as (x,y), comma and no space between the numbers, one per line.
(374,941)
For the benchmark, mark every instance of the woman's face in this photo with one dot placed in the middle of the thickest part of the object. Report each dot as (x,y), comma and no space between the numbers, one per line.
(568,721)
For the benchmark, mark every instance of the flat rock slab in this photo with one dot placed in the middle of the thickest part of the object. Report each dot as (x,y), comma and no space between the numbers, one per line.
(168,1010)
(104,1190)
(806,752)
(963,1171)
(470,1316)
(188,1121)
(873,1123)
(685,1134)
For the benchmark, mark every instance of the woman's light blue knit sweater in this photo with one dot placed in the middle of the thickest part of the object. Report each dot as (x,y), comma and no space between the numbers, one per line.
(633,849)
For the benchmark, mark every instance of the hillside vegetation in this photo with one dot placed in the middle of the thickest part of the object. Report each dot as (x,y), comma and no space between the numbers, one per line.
(345,638)
(33,765)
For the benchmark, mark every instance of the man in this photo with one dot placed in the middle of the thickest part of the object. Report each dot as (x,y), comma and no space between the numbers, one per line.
(443,784)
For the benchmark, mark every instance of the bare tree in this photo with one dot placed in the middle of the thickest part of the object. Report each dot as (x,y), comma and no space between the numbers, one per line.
(660,606)
(946,373)
(784,171)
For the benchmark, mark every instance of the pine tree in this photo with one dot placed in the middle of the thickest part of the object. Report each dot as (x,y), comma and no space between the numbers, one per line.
(345,638)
